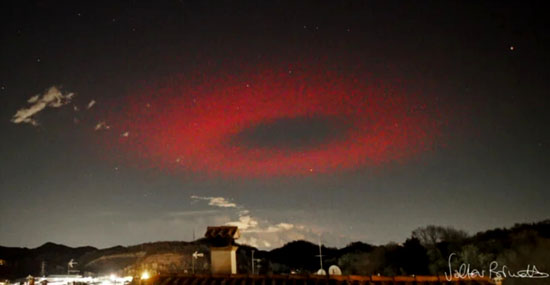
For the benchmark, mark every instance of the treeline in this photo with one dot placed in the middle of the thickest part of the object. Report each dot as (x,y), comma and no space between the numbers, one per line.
(426,252)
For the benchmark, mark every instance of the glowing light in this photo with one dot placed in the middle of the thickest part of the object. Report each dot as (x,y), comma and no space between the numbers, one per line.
(145,275)
(70,279)
(384,122)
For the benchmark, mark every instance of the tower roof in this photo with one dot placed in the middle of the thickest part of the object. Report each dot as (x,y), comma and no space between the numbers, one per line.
(224,232)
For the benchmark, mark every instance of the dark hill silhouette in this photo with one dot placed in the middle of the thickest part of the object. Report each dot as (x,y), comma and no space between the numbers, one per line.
(356,247)
(21,262)
(426,252)
(302,256)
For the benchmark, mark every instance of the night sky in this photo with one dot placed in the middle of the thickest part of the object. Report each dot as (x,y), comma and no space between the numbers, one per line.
(126,122)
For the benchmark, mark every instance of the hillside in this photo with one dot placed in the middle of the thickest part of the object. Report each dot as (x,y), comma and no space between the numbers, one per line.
(426,252)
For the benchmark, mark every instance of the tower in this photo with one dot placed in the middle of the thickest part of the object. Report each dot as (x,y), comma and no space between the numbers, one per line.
(223,251)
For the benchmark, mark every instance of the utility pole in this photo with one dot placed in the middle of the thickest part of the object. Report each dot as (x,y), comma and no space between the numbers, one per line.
(196,255)
(253,263)
(70,265)
(43,268)
(320,253)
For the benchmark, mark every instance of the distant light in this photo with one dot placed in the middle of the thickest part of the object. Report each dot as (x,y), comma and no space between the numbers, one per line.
(145,275)
(113,277)
(512,47)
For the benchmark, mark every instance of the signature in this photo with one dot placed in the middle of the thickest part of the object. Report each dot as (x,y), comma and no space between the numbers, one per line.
(494,271)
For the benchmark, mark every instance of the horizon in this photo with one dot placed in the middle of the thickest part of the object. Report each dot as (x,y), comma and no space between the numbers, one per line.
(269,249)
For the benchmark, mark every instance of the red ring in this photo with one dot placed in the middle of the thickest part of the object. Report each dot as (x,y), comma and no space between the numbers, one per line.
(187,124)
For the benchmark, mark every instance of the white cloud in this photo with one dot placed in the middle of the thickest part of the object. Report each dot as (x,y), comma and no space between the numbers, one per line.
(270,236)
(256,232)
(279,227)
(244,223)
(216,201)
(33,99)
(52,98)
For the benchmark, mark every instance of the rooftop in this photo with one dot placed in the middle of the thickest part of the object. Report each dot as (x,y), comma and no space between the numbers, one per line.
(224,232)
(312,279)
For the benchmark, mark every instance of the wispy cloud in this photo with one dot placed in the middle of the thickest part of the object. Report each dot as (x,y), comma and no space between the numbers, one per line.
(216,201)
(275,228)
(256,231)
(52,98)
(244,223)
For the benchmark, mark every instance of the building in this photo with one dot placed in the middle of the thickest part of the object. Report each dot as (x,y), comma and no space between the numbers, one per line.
(223,251)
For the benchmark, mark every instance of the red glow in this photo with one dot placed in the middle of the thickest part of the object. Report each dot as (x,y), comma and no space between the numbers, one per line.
(185,123)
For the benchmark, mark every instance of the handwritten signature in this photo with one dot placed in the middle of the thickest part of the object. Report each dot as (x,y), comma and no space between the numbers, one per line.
(495,271)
